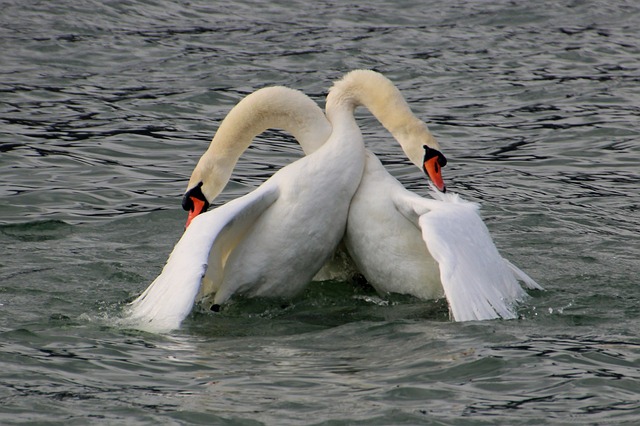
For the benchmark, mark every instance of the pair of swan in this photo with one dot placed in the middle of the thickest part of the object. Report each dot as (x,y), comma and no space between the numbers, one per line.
(273,241)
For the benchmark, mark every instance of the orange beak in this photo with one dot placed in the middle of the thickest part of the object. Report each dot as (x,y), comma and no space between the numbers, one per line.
(198,207)
(433,169)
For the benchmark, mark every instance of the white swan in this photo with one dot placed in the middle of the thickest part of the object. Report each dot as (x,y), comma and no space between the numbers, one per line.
(273,240)
(428,248)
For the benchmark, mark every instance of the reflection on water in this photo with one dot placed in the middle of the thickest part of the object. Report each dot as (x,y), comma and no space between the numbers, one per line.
(105,109)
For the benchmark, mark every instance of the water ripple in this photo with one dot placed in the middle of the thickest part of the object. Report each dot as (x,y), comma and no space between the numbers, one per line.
(106,107)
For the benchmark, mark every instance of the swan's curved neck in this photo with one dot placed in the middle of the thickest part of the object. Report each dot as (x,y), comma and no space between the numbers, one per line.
(380,96)
(271,107)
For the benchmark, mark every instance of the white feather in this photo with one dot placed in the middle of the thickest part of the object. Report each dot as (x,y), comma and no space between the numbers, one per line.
(478,282)
(171,296)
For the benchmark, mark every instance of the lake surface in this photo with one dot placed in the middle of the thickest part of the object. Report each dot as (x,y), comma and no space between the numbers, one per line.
(105,108)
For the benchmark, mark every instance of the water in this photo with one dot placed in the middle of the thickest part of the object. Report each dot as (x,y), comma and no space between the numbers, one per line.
(106,107)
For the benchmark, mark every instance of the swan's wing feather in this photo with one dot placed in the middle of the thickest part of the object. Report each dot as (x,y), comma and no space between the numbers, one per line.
(529,282)
(170,297)
(478,283)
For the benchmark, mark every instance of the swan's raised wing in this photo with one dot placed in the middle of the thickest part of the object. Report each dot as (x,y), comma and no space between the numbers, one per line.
(478,282)
(170,297)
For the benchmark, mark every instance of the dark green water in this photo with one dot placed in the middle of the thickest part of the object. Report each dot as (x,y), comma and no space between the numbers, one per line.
(105,108)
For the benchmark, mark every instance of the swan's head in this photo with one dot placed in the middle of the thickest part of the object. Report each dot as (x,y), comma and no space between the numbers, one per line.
(423,150)
(432,165)
(195,202)
(207,180)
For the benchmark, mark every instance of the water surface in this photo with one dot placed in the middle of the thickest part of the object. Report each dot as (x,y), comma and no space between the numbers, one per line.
(106,107)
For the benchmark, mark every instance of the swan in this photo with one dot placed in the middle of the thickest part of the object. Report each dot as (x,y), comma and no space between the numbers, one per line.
(427,248)
(273,240)
(430,248)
